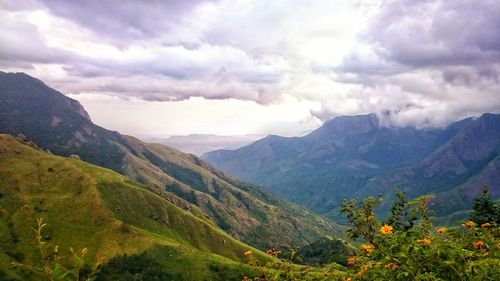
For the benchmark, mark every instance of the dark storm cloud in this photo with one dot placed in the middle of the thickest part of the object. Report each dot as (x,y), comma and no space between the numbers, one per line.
(125,19)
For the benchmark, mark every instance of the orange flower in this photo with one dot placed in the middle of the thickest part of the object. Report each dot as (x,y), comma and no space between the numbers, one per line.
(486,225)
(425,241)
(325,274)
(248,253)
(441,230)
(391,265)
(386,229)
(478,244)
(486,254)
(367,248)
(351,260)
(363,270)
(469,224)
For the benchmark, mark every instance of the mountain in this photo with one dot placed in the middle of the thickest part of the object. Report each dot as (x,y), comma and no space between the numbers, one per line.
(247,212)
(86,206)
(198,144)
(356,156)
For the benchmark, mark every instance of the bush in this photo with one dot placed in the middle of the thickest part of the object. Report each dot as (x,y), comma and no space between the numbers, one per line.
(418,250)
(133,268)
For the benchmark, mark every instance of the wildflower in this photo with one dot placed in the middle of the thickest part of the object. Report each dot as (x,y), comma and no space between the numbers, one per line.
(486,254)
(363,270)
(425,241)
(325,274)
(391,265)
(469,224)
(248,253)
(351,260)
(486,225)
(368,248)
(386,229)
(441,230)
(478,244)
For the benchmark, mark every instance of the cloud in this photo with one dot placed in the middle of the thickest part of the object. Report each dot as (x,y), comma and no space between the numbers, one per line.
(427,63)
(22,44)
(127,20)
(417,63)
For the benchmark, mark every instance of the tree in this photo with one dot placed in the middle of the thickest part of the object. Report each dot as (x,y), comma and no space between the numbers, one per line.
(484,208)
(400,217)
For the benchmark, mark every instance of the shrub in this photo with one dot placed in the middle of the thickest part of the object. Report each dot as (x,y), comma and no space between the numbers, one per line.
(419,251)
(133,268)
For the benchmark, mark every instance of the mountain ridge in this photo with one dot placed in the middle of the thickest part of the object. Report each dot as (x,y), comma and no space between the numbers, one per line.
(357,156)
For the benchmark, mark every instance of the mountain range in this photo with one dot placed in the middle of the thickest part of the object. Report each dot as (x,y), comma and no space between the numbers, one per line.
(357,156)
(247,212)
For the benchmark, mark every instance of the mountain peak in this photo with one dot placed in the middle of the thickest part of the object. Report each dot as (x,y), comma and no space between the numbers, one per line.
(19,87)
(342,126)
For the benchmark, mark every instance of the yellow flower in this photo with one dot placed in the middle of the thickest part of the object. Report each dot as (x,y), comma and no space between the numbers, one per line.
(469,224)
(351,260)
(441,230)
(486,225)
(248,253)
(368,248)
(478,244)
(325,274)
(425,241)
(386,229)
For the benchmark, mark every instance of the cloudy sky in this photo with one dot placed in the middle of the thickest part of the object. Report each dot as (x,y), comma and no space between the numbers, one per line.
(159,68)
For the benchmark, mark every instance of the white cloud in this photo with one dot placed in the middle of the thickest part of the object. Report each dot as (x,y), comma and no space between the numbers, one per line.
(428,63)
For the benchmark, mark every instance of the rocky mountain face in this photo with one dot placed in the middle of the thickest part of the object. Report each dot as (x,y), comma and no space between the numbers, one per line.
(61,125)
(355,156)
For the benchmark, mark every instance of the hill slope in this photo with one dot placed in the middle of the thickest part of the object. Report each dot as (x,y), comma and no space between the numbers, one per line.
(89,206)
(248,213)
(354,156)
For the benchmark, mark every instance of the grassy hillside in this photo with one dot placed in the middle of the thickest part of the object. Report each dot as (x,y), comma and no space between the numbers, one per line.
(247,212)
(89,206)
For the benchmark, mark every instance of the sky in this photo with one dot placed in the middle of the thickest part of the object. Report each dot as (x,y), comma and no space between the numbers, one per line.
(157,68)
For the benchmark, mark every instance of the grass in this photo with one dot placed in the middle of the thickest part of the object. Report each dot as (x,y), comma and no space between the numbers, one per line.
(88,206)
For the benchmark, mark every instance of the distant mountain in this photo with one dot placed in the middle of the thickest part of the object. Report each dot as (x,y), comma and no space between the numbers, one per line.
(247,212)
(86,206)
(198,144)
(355,156)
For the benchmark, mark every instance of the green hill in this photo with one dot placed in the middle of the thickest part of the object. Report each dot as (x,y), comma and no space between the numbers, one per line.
(247,212)
(89,206)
